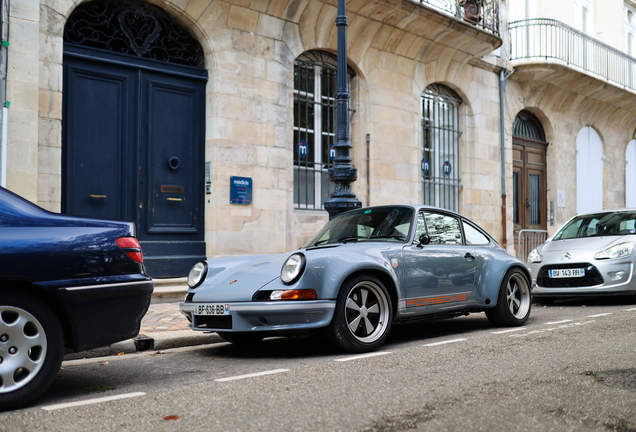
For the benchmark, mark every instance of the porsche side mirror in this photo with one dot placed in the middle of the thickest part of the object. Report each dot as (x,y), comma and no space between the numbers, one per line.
(424,239)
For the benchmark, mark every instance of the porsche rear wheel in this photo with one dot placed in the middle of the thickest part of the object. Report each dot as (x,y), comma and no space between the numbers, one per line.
(31,348)
(514,301)
(363,315)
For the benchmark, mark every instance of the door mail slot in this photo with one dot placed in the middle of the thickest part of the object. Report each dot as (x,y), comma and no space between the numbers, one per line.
(171,189)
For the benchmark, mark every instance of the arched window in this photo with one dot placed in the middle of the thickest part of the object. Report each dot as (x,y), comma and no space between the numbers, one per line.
(528,173)
(630,174)
(589,171)
(315,87)
(440,147)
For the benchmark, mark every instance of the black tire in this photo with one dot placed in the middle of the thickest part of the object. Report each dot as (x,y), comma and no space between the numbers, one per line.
(363,315)
(30,327)
(242,338)
(514,301)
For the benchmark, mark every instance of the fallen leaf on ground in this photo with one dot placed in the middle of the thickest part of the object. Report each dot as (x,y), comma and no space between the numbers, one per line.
(171,417)
(104,364)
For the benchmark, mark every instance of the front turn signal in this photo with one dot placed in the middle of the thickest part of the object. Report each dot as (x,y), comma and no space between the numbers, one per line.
(293,295)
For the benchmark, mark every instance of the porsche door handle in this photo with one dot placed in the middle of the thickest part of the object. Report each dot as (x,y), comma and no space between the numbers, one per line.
(469,256)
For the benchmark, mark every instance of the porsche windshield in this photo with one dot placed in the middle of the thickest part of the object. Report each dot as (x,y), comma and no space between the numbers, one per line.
(599,224)
(391,224)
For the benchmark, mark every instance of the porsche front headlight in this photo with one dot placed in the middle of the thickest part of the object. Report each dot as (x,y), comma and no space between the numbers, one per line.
(197,274)
(618,251)
(534,257)
(293,268)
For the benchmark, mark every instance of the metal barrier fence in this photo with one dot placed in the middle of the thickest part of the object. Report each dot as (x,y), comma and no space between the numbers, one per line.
(481,13)
(528,240)
(547,38)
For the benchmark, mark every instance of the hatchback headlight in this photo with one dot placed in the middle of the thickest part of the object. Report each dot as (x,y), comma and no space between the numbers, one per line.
(197,274)
(534,257)
(616,252)
(293,268)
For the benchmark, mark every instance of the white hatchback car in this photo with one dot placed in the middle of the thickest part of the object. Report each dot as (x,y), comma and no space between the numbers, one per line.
(592,254)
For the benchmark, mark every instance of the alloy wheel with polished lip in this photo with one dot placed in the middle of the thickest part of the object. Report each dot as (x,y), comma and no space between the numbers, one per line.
(363,315)
(514,302)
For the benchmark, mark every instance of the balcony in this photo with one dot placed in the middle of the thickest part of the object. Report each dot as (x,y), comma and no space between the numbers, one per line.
(551,41)
(480,13)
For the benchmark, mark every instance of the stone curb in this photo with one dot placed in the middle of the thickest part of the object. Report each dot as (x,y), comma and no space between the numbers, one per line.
(152,341)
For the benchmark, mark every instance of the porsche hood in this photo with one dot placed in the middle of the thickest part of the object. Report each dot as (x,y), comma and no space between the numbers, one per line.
(238,278)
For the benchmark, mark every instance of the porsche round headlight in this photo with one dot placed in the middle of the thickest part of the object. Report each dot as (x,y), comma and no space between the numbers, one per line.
(293,268)
(197,274)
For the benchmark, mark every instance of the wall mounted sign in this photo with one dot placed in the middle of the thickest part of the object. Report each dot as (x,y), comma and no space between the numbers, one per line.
(426,166)
(240,190)
(303,149)
(332,153)
(447,168)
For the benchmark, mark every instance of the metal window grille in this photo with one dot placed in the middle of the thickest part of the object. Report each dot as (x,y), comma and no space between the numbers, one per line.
(315,89)
(441,182)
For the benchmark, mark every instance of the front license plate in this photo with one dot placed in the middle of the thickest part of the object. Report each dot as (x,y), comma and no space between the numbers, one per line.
(212,309)
(566,273)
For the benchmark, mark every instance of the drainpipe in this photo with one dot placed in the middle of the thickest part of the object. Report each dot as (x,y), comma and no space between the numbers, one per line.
(502,136)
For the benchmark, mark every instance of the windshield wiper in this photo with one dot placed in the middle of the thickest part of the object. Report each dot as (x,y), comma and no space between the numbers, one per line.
(350,238)
(393,236)
(319,242)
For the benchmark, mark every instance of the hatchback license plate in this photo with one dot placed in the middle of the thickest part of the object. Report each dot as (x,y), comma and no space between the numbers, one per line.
(566,273)
(212,309)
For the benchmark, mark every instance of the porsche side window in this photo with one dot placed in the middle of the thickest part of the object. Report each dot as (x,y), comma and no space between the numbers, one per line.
(473,236)
(444,230)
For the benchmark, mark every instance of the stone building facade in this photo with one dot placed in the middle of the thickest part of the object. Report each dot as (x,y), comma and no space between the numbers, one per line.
(425,112)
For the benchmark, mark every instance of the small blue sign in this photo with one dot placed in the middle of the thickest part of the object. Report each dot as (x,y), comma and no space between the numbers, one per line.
(447,168)
(240,190)
(426,166)
(332,153)
(303,149)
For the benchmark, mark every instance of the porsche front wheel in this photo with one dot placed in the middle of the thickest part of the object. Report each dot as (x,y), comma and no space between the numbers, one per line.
(514,301)
(363,315)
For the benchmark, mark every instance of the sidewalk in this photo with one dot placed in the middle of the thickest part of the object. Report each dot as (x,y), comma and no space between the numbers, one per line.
(163,326)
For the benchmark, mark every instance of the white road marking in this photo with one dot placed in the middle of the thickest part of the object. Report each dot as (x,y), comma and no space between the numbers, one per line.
(630,310)
(238,377)
(598,315)
(509,330)
(92,401)
(362,356)
(444,342)
(558,322)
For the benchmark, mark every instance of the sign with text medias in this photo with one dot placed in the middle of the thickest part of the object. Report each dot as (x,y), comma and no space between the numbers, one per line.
(240,190)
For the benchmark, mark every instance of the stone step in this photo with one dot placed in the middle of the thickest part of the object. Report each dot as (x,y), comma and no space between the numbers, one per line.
(169,289)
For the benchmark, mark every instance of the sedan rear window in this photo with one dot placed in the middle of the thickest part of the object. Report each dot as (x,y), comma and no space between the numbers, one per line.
(598,225)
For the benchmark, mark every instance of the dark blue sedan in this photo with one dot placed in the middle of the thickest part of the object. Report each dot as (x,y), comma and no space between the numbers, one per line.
(66,282)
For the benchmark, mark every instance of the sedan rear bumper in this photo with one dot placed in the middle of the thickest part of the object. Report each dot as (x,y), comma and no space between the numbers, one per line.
(263,316)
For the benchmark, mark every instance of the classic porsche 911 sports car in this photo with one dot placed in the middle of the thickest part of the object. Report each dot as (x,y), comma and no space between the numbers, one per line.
(365,270)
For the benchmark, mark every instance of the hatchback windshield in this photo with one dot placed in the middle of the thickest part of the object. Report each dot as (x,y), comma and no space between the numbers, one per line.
(599,224)
(371,224)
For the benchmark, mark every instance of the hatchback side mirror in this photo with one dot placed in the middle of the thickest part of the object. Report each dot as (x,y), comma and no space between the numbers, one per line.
(424,239)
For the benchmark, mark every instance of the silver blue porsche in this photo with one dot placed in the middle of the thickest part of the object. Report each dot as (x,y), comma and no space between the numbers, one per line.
(365,270)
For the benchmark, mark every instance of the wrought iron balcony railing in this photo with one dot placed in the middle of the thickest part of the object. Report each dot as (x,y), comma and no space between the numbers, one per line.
(481,13)
(551,39)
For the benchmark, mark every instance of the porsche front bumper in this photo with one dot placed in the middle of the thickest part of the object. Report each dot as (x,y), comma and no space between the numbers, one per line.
(263,316)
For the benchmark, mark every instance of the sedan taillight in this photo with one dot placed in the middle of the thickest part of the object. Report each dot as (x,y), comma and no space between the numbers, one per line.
(131,246)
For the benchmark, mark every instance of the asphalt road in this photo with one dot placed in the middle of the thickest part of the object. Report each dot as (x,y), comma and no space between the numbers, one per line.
(572,367)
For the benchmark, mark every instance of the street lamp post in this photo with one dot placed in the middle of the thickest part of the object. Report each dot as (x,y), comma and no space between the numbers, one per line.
(342,173)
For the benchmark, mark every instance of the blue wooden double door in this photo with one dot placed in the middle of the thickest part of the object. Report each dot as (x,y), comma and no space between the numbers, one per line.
(133,149)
